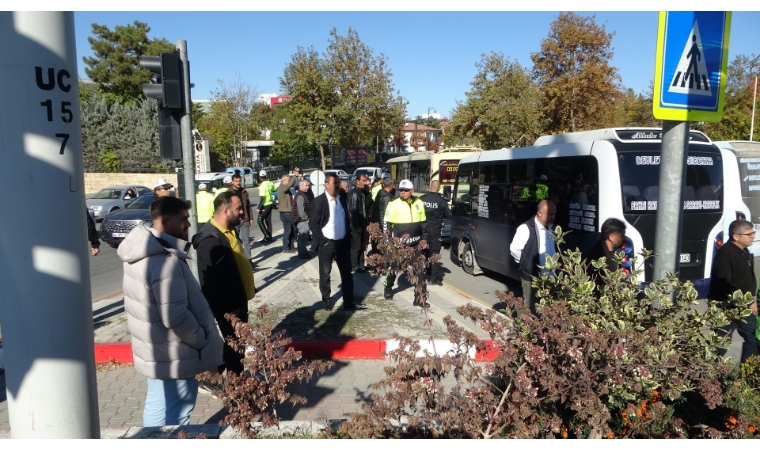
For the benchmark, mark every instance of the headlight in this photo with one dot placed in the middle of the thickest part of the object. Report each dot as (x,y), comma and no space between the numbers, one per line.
(96,208)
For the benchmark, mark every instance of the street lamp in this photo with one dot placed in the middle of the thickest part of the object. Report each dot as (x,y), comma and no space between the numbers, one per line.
(754,100)
(427,136)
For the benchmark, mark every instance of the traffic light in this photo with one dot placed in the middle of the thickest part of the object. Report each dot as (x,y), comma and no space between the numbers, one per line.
(168,92)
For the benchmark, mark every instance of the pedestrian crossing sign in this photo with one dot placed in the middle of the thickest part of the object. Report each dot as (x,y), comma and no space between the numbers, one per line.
(690,70)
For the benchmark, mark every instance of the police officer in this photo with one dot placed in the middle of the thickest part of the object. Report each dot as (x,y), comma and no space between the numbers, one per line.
(266,203)
(405,215)
(436,209)
(204,202)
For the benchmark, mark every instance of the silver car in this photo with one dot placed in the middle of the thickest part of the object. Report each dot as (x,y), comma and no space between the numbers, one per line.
(114,198)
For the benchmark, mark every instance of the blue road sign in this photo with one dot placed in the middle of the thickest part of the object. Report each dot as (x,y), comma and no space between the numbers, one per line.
(690,72)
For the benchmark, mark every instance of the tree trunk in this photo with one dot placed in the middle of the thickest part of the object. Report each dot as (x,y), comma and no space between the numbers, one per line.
(322,156)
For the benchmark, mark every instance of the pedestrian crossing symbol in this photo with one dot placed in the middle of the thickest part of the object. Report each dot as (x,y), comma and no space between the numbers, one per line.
(690,73)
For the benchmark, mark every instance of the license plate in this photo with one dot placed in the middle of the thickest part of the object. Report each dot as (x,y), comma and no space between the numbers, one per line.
(685,257)
(118,234)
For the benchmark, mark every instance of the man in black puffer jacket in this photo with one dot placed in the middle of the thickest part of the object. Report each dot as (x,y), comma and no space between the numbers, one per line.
(357,219)
(380,204)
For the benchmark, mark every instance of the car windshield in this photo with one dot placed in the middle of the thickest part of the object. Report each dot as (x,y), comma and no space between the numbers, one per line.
(108,193)
(143,202)
(368,172)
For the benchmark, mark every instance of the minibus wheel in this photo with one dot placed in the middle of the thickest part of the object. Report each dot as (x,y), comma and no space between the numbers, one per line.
(468,259)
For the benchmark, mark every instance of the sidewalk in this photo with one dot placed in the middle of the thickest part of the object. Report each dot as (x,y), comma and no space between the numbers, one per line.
(289,287)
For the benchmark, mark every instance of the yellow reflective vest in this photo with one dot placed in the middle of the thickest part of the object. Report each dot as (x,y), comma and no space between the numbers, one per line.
(406,218)
(266,188)
(376,190)
(204,203)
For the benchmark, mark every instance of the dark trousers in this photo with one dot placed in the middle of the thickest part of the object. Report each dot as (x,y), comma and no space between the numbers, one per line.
(232,359)
(265,221)
(303,242)
(287,231)
(434,248)
(390,278)
(746,331)
(339,251)
(359,241)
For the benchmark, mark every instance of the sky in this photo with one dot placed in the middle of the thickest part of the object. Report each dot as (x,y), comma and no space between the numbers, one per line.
(432,54)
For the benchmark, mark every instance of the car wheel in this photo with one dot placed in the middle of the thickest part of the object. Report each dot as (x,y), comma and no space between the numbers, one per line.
(468,259)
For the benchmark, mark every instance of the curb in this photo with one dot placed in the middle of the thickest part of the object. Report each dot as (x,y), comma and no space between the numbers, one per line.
(374,349)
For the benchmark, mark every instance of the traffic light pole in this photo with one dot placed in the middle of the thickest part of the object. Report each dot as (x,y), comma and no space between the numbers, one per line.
(45,300)
(188,162)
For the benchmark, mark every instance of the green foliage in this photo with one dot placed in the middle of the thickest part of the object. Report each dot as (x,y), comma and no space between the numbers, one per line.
(579,87)
(503,108)
(110,160)
(115,62)
(737,113)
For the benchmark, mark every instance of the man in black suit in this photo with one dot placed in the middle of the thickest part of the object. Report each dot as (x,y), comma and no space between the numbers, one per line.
(328,221)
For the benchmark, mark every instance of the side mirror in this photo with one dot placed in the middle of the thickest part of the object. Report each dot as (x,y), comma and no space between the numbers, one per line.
(447,192)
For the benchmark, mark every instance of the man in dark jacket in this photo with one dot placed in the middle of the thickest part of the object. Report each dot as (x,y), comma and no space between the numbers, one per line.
(357,218)
(225,273)
(733,269)
(244,227)
(299,216)
(531,244)
(612,238)
(92,235)
(285,208)
(329,226)
(436,209)
(380,204)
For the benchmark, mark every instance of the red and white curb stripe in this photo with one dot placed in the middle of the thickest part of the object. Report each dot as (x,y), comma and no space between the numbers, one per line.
(337,349)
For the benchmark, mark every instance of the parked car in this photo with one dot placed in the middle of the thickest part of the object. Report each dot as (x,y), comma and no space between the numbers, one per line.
(118,224)
(341,174)
(372,173)
(212,180)
(114,198)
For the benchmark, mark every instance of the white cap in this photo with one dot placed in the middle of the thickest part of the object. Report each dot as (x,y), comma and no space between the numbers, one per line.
(405,184)
(262,173)
(227,180)
(161,182)
(202,186)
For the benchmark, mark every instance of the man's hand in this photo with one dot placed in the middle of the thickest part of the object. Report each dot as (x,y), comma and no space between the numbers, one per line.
(258,210)
(96,250)
(753,307)
(250,222)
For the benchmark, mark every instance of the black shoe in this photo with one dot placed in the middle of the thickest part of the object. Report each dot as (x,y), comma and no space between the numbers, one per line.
(418,303)
(304,256)
(388,295)
(360,270)
(354,307)
(436,282)
(328,305)
(290,250)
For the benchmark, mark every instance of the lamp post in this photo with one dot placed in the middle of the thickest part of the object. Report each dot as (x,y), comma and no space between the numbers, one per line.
(754,100)
(427,136)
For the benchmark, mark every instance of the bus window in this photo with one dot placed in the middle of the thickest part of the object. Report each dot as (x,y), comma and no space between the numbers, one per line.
(572,184)
(461,202)
(420,175)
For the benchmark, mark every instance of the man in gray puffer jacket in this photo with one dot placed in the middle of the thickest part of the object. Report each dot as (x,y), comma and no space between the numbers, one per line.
(174,334)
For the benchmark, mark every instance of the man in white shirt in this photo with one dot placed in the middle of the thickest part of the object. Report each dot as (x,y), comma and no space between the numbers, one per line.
(531,244)
(328,221)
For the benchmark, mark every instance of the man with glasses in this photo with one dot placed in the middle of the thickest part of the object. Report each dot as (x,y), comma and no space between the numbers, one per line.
(162,188)
(733,269)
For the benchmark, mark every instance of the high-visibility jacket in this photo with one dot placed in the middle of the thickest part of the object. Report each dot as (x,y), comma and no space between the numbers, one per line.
(376,190)
(219,191)
(266,188)
(406,218)
(204,203)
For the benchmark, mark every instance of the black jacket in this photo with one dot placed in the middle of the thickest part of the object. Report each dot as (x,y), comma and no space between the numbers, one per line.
(436,209)
(381,202)
(218,272)
(320,215)
(357,211)
(92,233)
(529,257)
(596,251)
(733,269)
(243,196)
(295,217)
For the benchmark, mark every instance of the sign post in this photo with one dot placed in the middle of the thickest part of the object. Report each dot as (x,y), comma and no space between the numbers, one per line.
(690,80)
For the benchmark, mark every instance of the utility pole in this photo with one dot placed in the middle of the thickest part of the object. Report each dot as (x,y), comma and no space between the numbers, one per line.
(45,302)
(754,100)
(188,162)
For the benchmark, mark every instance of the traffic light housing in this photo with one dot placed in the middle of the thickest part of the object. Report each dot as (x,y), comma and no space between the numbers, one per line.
(168,67)
(168,92)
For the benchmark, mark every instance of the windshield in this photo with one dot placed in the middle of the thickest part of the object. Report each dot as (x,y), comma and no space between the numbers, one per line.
(368,172)
(749,175)
(143,202)
(108,194)
(640,179)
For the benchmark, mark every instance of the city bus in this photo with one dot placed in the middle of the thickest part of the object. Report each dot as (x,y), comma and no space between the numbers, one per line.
(423,167)
(743,158)
(590,176)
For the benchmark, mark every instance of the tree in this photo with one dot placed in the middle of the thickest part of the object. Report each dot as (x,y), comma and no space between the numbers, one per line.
(635,110)
(369,110)
(503,108)
(737,111)
(115,62)
(230,122)
(578,85)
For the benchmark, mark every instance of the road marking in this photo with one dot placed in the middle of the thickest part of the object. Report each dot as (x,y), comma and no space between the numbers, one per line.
(468,296)
(116,293)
